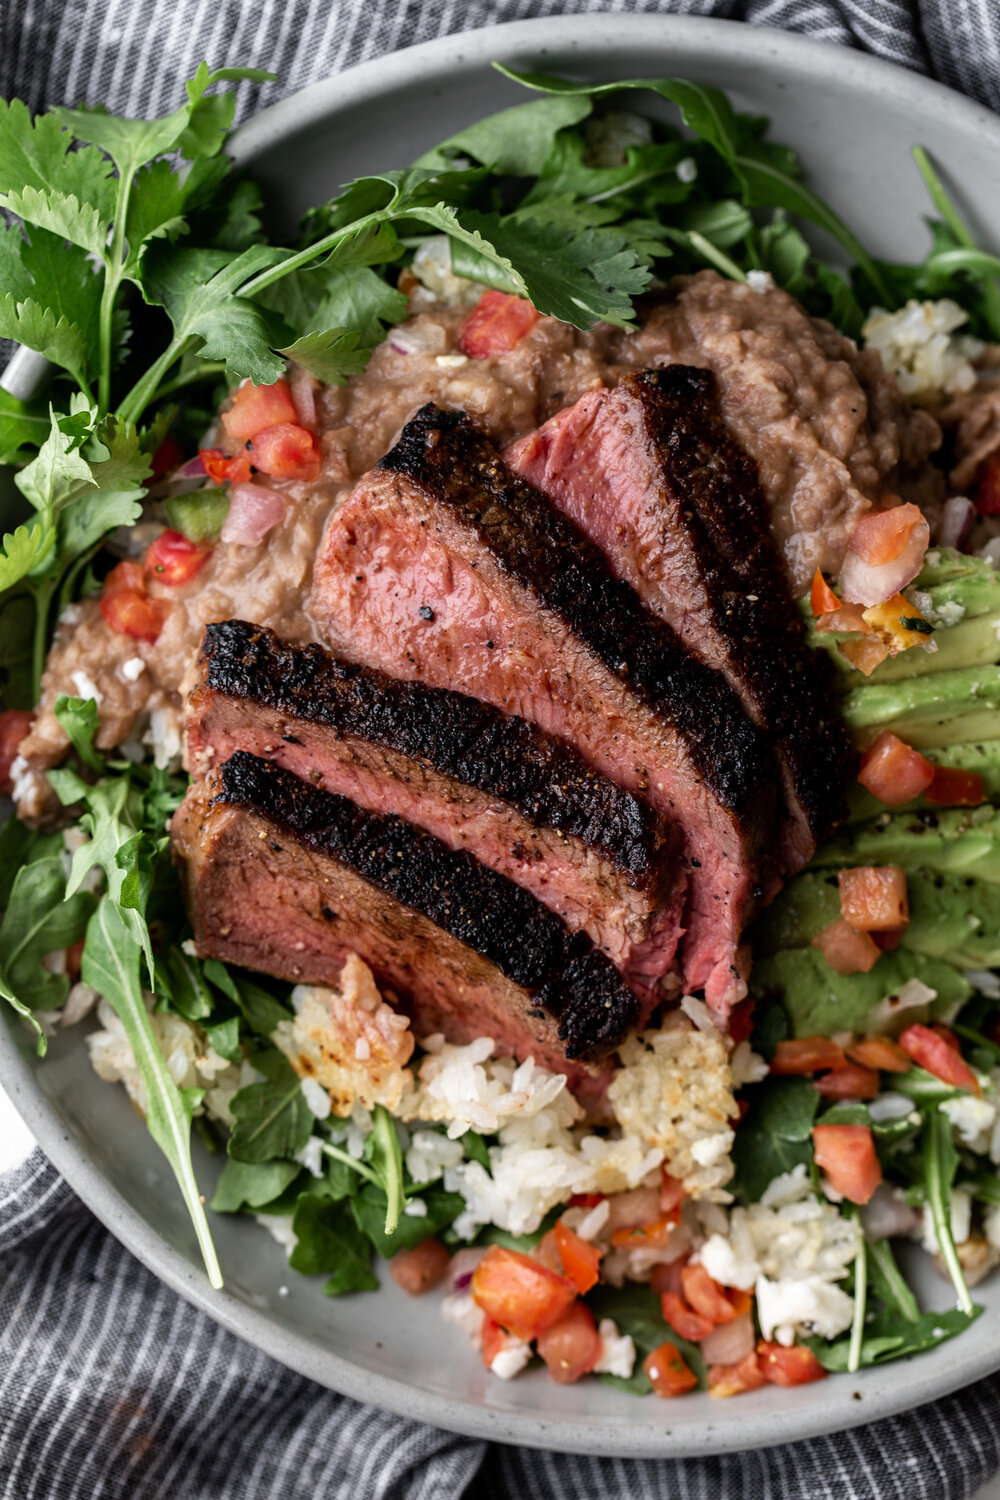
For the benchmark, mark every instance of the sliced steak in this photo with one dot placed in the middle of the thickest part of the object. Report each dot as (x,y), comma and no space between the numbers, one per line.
(525,804)
(285,879)
(651,473)
(444,566)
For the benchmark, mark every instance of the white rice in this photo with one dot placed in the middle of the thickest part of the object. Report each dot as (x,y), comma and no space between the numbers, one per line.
(920,346)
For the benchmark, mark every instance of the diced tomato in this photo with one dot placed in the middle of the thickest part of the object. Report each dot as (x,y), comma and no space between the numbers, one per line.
(880,1052)
(672,1192)
(585,1200)
(126,575)
(880,537)
(14,725)
(74,959)
(521,1295)
(947,1036)
(888,942)
(286,451)
(865,655)
(846,950)
(893,771)
(173,560)
(794,1366)
(933,1053)
(496,324)
(168,456)
(635,1236)
(420,1268)
(571,1347)
(707,1297)
(220,468)
(666,1277)
(741,1020)
(733,1380)
(986,494)
(953,788)
(821,597)
(667,1373)
(581,1261)
(690,1325)
(873,897)
(807,1054)
(846,1154)
(852,1082)
(493,1338)
(547,1252)
(846,617)
(131,613)
(256,407)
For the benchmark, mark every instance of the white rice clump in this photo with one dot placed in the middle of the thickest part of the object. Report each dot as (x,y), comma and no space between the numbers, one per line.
(675,1091)
(190,1061)
(790,1248)
(920,347)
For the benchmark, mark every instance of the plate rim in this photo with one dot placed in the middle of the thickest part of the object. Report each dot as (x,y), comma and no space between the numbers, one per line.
(361,83)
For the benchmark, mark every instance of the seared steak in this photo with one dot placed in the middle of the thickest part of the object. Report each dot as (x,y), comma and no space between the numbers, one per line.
(289,880)
(445,567)
(651,473)
(523,803)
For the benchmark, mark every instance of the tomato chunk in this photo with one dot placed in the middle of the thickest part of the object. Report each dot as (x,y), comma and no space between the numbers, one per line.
(893,771)
(880,1052)
(667,1373)
(865,655)
(690,1325)
(492,1340)
(420,1268)
(220,468)
(174,560)
(795,1366)
(256,407)
(880,537)
(571,1347)
(286,451)
(846,1154)
(741,1020)
(520,1294)
(953,788)
(128,574)
(14,725)
(131,613)
(496,324)
(852,1082)
(873,897)
(821,596)
(706,1296)
(581,1260)
(986,495)
(733,1380)
(846,617)
(846,950)
(807,1054)
(936,1056)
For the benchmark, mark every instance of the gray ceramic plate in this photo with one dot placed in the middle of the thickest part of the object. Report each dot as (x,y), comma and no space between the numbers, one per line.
(854,121)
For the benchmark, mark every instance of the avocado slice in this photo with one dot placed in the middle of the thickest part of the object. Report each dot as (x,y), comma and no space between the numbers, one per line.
(952,917)
(939,708)
(959,841)
(820,1002)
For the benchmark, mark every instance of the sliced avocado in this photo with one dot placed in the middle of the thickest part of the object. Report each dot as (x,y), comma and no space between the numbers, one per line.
(941,708)
(820,1002)
(973,642)
(959,841)
(982,757)
(947,564)
(952,917)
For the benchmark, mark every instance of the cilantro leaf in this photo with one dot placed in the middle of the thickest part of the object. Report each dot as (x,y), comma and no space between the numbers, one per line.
(338,297)
(79,718)
(515,142)
(331,356)
(22,551)
(198,289)
(61,214)
(35,153)
(60,340)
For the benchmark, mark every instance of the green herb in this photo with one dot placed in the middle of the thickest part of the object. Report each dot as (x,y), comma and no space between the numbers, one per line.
(39,920)
(272,1118)
(776,1133)
(491,1235)
(940,1161)
(888,1282)
(885,1340)
(370,1209)
(860,1301)
(330,1241)
(381,1164)
(198,515)
(245,1184)
(636,1311)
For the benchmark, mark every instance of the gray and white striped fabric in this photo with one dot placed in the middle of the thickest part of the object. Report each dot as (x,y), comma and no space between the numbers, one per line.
(111,1387)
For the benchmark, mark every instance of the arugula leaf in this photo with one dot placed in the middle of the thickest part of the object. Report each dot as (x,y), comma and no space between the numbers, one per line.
(888,1282)
(885,1339)
(272,1118)
(329,1240)
(636,1311)
(261,1011)
(39,920)
(180,981)
(776,1133)
(940,1160)
(387,1160)
(224,1036)
(370,1208)
(244,1184)
(515,142)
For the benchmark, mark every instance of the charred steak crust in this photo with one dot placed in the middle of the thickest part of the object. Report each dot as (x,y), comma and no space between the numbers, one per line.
(789,686)
(506,757)
(547,554)
(485,911)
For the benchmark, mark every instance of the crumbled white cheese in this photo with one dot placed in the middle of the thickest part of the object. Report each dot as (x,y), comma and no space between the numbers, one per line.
(746,1065)
(760,281)
(311,1156)
(511,1359)
(460,1309)
(132,669)
(809,1303)
(279,1227)
(973,1121)
(85,686)
(451,361)
(617,1351)
(920,346)
(416,1209)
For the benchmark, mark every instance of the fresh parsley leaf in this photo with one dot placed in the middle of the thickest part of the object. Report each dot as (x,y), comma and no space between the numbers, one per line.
(272,1118)
(245,1184)
(330,1241)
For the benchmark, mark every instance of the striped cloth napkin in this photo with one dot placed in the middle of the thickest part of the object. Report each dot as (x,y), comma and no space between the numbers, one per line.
(113,1388)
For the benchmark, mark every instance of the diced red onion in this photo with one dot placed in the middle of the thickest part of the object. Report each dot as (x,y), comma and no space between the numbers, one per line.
(253,512)
(730,1342)
(193,469)
(463,1263)
(429,339)
(887,1213)
(303,388)
(957,520)
(873,583)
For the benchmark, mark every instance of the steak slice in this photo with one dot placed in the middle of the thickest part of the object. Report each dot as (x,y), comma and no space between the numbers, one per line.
(651,473)
(524,803)
(285,879)
(444,566)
